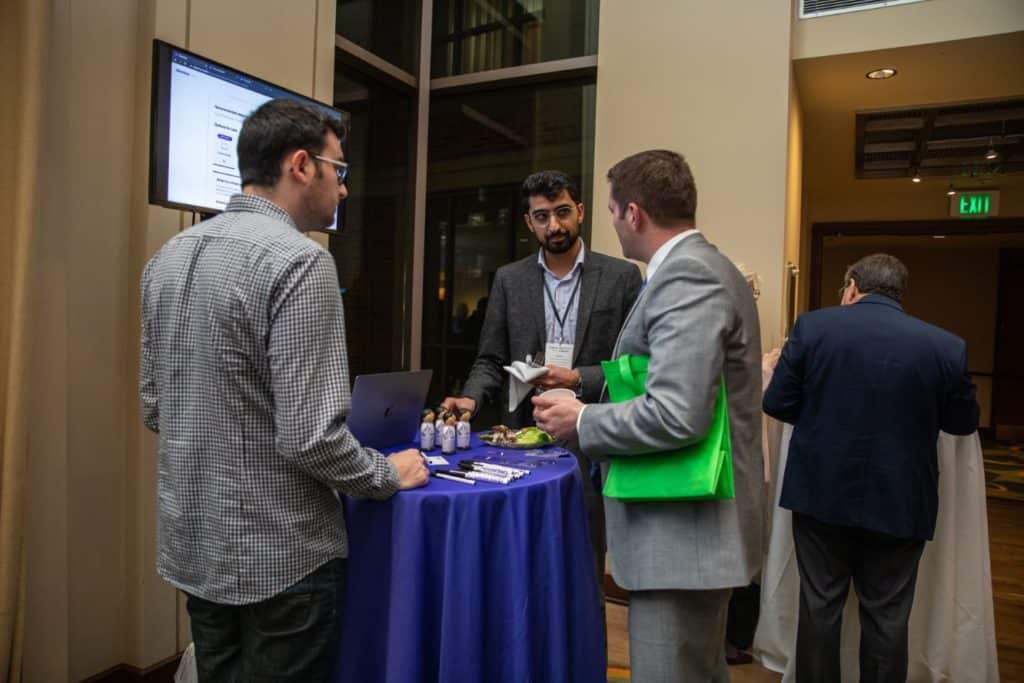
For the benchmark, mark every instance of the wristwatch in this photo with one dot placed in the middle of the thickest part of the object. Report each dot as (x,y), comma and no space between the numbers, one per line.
(579,387)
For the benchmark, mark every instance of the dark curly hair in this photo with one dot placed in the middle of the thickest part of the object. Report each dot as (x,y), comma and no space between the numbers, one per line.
(550,184)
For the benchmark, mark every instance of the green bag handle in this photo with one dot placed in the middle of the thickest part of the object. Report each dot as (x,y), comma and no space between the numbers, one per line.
(626,373)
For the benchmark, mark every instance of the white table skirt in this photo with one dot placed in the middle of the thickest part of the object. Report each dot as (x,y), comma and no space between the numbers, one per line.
(952,628)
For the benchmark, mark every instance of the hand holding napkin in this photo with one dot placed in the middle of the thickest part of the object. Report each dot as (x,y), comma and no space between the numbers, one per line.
(521,374)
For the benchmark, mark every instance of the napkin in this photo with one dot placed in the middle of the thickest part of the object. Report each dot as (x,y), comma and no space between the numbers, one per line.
(520,375)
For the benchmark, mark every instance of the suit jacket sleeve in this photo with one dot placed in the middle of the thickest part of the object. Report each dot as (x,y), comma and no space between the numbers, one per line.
(487,375)
(687,317)
(592,377)
(960,410)
(784,398)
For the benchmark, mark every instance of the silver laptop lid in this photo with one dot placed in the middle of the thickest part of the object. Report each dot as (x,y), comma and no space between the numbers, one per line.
(386,407)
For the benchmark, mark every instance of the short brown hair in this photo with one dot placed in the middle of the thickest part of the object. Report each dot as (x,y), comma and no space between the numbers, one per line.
(879,274)
(660,182)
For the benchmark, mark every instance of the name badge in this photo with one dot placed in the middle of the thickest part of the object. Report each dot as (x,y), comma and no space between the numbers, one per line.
(558,354)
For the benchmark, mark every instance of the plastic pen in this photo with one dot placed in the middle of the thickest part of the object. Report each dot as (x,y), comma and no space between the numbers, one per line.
(452,477)
(494,467)
(492,477)
(478,476)
(494,472)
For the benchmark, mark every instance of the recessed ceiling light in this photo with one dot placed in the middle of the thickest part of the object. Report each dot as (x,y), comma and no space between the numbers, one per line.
(992,154)
(881,74)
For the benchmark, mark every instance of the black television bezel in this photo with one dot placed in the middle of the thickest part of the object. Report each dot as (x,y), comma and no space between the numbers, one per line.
(160,101)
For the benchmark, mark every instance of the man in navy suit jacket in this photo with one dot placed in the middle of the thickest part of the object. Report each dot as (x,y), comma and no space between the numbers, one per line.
(867,388)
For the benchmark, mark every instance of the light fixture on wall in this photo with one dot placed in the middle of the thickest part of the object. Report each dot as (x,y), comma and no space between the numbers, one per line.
(916,178)
(881,74)
(991,154)
(951,191)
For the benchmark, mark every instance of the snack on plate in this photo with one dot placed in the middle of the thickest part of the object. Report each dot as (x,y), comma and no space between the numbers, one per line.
(527,437)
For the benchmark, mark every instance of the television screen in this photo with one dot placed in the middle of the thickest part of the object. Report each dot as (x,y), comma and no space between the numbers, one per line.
(197,112)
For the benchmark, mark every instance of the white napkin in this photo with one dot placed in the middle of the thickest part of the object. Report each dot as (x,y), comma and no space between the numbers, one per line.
(520,376)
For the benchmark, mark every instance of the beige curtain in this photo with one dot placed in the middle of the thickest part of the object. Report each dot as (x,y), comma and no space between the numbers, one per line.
(22,54)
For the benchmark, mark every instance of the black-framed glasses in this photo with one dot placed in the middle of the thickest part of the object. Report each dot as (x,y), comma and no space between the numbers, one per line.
(340,167)
(542,217)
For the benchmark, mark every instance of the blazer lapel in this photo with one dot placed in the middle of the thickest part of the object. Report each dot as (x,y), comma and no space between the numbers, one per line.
(534,293)
(588,294)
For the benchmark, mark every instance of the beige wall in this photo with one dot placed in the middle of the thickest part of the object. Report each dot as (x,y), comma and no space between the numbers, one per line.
(794,199)
(932,21)
(94,598)
(701,78)
(936,294)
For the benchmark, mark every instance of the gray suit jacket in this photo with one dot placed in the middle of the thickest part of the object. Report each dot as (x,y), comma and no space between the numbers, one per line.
(695,319)
(514,326)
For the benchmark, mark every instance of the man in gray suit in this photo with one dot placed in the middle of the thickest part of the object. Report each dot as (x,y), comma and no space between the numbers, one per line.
(565,301)
(697,320)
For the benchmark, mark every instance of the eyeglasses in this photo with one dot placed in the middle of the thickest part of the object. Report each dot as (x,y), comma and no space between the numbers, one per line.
(850,277)
(541,218)
(340,167)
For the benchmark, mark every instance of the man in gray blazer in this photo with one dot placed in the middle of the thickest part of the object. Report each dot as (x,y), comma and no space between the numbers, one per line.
(697,320)
(564,299)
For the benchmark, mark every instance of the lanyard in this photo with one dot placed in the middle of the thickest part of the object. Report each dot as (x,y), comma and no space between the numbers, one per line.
(560,319)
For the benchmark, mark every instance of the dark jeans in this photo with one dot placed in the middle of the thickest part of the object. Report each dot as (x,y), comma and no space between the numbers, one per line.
(292,636)
(883,570)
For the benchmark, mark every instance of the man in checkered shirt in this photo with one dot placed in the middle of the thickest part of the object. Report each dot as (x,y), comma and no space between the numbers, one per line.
(245,378)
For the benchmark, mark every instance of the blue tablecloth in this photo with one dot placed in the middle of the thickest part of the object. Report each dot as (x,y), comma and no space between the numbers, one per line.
(490,582)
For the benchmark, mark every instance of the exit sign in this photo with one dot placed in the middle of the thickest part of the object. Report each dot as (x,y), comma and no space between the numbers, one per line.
(974,204)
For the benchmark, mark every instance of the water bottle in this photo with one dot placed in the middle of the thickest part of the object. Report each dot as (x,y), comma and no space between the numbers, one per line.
(427,436)
(462,431)
(447,439)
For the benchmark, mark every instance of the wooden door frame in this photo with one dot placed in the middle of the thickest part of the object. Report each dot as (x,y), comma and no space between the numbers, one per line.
(948,226)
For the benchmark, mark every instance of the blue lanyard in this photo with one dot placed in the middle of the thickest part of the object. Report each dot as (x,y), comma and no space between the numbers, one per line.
(560,319)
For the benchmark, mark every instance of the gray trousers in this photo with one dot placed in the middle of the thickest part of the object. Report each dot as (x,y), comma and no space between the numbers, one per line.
(678,636)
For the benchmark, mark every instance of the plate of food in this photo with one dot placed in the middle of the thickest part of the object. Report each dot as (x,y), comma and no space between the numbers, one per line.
(523,439)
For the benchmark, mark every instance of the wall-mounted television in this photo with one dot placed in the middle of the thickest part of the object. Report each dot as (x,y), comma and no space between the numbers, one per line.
(197,111)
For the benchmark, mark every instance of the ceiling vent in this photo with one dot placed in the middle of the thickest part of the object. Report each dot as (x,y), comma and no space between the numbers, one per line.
(823,8)
(954,141)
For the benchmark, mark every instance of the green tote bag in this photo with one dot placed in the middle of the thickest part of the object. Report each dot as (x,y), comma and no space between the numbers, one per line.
(700,471)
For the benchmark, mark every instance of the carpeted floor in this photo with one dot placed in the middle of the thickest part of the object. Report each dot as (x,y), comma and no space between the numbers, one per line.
(1004,470)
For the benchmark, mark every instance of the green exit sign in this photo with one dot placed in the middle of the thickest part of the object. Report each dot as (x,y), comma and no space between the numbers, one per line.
(974,204)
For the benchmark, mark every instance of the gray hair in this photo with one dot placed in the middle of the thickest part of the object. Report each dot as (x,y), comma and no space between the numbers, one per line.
(879,274)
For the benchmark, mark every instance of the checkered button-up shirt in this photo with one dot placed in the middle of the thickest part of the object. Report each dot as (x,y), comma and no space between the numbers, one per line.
(245,378)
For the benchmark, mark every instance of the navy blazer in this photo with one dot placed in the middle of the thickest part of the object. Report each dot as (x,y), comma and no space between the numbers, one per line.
(867,388)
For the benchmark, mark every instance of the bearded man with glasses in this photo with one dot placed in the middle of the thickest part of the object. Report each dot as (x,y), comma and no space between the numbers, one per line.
(566,302)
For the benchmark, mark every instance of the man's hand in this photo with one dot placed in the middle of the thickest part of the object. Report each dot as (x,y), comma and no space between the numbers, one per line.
(556,415)
(451,403)
(412,470)
(558,378)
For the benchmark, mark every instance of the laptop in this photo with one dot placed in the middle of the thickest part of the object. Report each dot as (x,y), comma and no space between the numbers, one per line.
(386,408)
